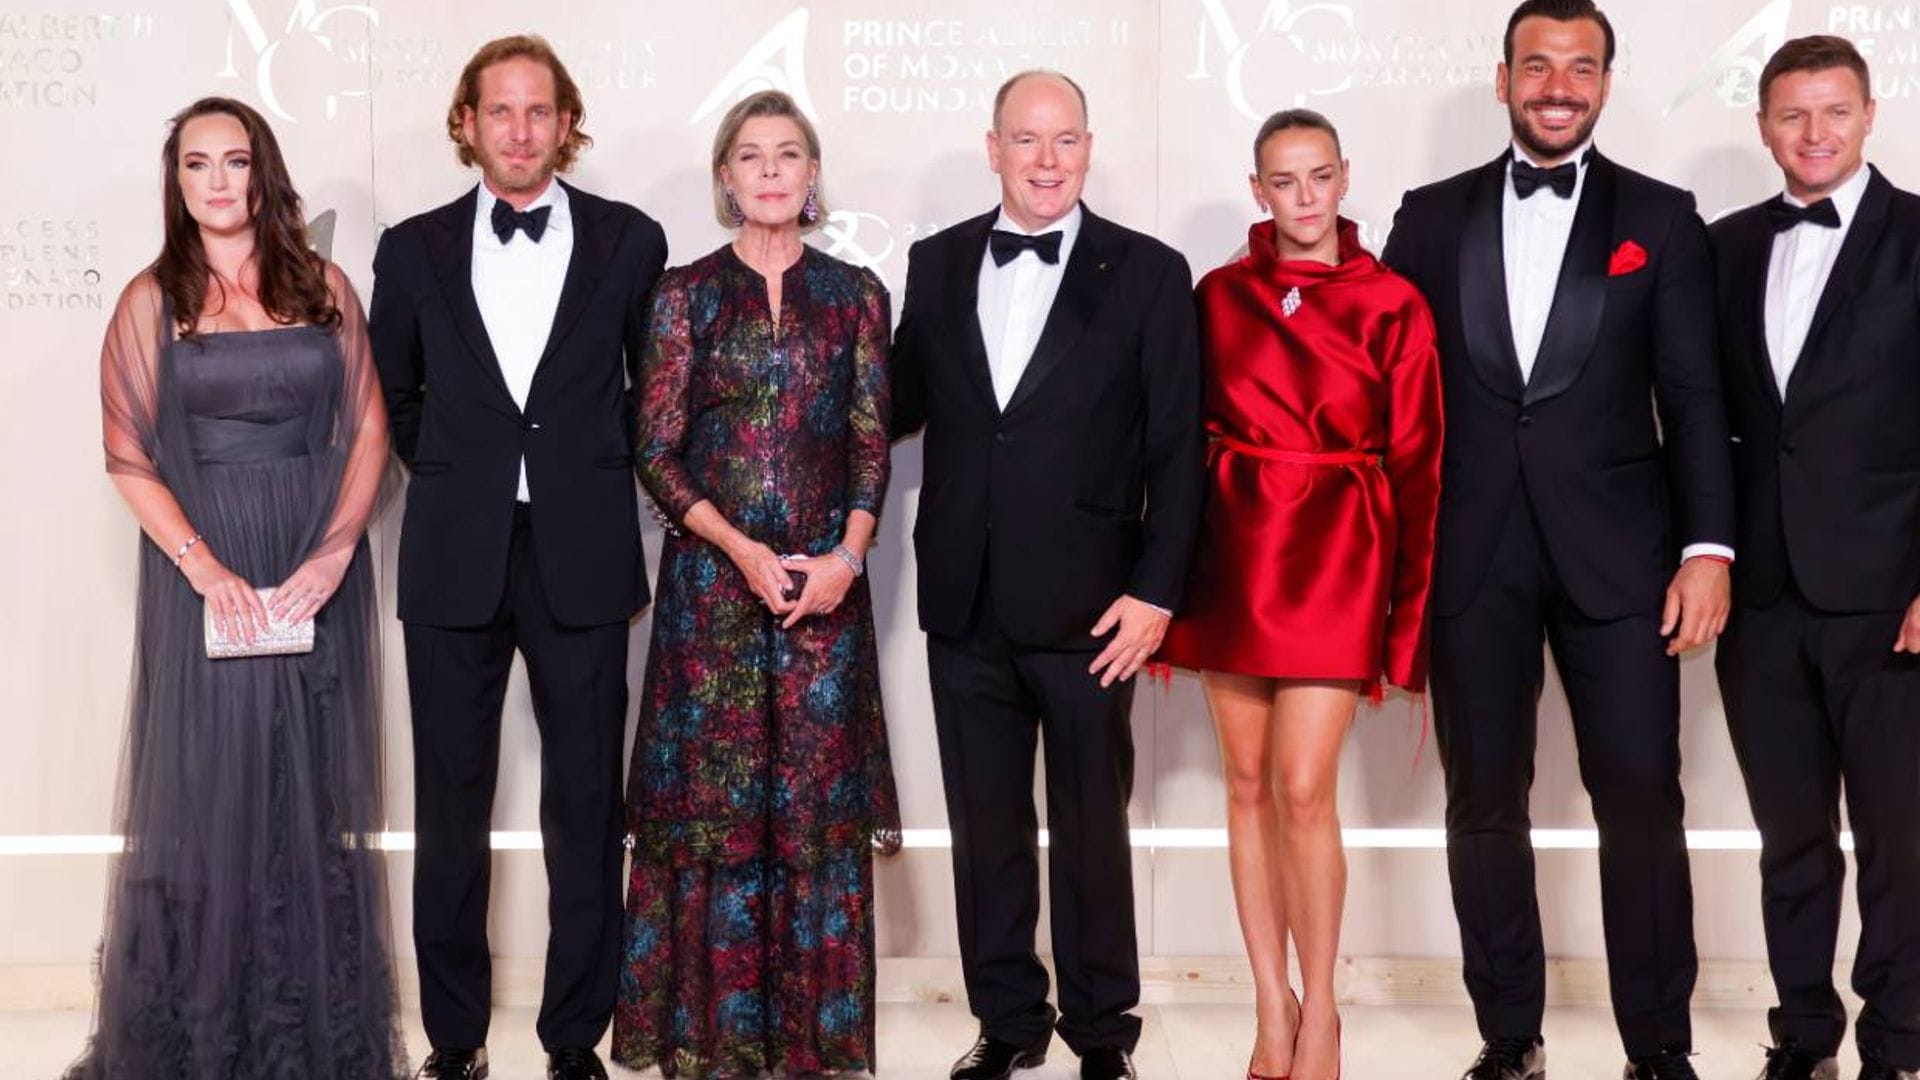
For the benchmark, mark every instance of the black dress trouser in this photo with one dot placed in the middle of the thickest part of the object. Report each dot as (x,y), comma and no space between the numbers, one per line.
(1820,708)
(1624,695)
(457,679)
(993,699)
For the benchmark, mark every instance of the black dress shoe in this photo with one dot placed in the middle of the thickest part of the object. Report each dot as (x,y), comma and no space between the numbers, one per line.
(1880,1070)
(1107,1063)
(991,1059)
(455,1065)
(575,1063)
(1661,1067)
(1509,1059)
(1789,1062)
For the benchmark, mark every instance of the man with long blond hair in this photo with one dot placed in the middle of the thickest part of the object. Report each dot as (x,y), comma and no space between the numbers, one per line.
(506,325)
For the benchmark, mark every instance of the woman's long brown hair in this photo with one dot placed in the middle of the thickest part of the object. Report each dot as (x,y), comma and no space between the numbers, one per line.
(293,282)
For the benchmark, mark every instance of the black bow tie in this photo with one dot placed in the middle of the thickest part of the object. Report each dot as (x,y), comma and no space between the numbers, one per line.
(506,219)
(1785,215)
(1007,246)
(1528,178)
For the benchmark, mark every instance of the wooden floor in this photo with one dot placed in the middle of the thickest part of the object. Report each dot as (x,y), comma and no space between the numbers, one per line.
(1182,1042)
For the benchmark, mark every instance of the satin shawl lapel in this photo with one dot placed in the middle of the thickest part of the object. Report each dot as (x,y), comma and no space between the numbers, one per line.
(450,242)
(1580,297)
(1756,255)
(1484,318)
(969,246)
(1083,285)
(1862,236)
(594,241)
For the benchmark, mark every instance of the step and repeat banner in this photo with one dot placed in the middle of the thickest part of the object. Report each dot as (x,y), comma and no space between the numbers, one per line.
(901,91)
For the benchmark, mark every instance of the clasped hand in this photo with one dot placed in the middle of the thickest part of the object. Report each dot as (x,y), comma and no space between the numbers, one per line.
(239,614)
(828,579)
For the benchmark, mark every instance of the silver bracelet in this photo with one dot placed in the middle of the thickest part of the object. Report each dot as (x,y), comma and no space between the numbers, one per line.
(184,548)
(854,562)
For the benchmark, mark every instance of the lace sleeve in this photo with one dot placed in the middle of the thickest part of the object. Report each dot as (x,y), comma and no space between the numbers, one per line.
(130,380)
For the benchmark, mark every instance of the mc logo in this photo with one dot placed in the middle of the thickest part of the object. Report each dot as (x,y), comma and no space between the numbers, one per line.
(1281,19)
(307,22)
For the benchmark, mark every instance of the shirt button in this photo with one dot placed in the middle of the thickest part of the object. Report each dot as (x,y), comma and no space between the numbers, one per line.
(1526,420)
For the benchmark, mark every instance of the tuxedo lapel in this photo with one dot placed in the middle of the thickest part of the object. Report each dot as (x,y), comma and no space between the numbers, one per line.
(1580,296)
(1484,318)
(450,242)
(1083,284)
(1756,256)
(1862,235)
(963,303)
(593,246)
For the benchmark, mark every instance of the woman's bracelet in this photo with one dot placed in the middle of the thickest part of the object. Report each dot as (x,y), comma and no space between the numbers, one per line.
(854,562)
(184,548)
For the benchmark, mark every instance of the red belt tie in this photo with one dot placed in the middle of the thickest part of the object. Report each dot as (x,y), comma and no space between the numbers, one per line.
(1332,458)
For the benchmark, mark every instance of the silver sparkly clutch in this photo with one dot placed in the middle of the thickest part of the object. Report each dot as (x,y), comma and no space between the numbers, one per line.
(278,639)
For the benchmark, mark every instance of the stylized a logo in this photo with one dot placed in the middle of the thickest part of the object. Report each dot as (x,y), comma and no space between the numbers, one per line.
(1734,68)
(777,62)
(320,233)
(306,18)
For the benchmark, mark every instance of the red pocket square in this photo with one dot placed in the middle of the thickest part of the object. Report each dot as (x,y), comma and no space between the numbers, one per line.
(1627,258)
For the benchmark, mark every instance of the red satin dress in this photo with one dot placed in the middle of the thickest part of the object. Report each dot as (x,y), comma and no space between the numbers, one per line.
(1323,415)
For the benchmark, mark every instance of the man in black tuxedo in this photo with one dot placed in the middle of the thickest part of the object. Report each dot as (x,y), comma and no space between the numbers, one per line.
(506,326)
(1052,357)
(1572,296)
(1819,308)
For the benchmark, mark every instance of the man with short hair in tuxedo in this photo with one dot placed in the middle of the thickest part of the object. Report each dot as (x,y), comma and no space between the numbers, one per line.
(507,326)
(1574,301)
(1819,309)
(1053,359)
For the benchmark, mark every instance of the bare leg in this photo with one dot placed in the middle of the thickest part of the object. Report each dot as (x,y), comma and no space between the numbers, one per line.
(1242,709)
(1311,722)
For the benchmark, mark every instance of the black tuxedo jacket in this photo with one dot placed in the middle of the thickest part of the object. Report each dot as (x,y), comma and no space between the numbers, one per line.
(1829,478)
(1578,440)
(462,437)
(1089,485)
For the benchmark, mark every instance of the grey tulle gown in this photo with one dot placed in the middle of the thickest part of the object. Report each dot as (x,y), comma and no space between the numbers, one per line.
(247,930)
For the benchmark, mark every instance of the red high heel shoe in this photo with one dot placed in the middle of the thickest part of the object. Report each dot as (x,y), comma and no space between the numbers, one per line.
(1251,1075)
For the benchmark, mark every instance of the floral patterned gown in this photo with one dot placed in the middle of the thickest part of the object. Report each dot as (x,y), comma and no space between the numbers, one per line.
(760,782)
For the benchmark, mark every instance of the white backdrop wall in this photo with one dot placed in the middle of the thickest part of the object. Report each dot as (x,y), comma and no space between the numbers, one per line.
(901,91)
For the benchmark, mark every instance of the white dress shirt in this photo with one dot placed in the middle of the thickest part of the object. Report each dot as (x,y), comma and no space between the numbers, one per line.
(1797,273)
(517,286)
(1535,231)
(1015,300)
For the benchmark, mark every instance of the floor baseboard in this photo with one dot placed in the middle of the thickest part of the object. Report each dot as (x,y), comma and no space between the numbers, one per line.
(1196,980)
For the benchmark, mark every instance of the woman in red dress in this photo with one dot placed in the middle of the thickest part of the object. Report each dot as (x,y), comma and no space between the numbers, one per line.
(1310,584)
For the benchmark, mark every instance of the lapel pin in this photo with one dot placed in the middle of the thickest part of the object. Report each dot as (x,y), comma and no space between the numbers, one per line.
(1290,303)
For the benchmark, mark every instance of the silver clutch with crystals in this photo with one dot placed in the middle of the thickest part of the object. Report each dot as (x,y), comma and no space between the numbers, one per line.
(277,639)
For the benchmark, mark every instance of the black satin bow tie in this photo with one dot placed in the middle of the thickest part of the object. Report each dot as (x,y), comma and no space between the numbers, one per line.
(1529,178)
(506,219)
(1007,246)
(1785,215)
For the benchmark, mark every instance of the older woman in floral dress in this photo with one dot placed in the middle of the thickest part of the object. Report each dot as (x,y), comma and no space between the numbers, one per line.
(761,781)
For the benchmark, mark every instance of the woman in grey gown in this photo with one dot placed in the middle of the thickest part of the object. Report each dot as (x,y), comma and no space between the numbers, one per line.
(247,930)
